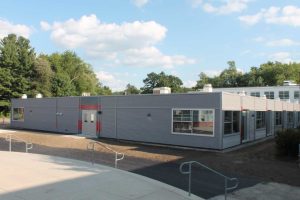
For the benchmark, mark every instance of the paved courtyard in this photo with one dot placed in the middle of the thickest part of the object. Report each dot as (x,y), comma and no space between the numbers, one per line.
(40,177)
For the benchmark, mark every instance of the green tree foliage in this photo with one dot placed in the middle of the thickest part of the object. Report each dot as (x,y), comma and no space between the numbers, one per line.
(154,80)
(17,58)
(16,68)
(268,74)
(22,72)
(43,76)
(73,76)
(131,89)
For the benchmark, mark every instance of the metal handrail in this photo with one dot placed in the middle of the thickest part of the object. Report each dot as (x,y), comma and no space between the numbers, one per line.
(91,147)
(11,137)
(189,172)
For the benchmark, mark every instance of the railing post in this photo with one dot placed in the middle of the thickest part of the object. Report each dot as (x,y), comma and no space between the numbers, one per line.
(190,178)
(116,161)
(225,189)
(9,142)
(299,155)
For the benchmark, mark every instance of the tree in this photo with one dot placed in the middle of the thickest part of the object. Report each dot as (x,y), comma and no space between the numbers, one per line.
(154,80)
(16,69)
(43,75)
(73,76)
(230,76)
(131,89)
(203,79)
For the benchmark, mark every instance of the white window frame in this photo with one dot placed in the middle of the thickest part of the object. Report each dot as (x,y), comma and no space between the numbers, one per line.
(18,120)
(194,134)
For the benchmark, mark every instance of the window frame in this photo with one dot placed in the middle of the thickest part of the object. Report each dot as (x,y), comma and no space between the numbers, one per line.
(264,116)
(255,94)
(298,94)
(18,120)
(280,118)
(290,115)
(232,122)
(268,94)
(193,109)
(284,92)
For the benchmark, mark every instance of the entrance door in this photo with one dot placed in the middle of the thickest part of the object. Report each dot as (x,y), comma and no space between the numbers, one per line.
(89,123)
(245,126)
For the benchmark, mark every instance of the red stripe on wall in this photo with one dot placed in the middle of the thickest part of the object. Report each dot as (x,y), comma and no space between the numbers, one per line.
(79,125)
(89,107)
(98,127)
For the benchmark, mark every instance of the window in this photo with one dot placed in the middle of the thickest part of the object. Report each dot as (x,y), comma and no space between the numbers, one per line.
(260,119)
(198,122)
(278,118)
(18,114)
(255,94)
(284,94)
(231,122)
(269,95)
(296,94)
(290,116)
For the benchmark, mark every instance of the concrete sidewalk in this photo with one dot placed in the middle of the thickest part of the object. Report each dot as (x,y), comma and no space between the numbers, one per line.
(264,191)
(39,177)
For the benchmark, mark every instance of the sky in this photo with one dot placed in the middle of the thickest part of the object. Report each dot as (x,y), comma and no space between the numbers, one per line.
(124,40)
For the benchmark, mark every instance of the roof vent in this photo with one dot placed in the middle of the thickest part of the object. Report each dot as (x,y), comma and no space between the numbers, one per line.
(288,83)
(207,88)
(85,94)
(38,96)
(243,93)
(162,90)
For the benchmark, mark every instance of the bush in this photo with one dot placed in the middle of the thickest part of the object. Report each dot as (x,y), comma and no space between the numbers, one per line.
(287,142)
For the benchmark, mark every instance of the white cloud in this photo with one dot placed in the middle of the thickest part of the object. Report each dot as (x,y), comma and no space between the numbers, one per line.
(196,3)
(7,27)
(282,42)
(212,73)
(189,83)
(287,15)
(259,39)
(151,56)
(45,26)
(140,3)
(284,57)
(230,6)
(132,43)
(111,80)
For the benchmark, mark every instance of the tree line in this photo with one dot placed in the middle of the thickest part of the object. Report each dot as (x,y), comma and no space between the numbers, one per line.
(22,71)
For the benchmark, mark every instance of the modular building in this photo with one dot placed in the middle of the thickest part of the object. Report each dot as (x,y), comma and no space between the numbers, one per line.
(213,120)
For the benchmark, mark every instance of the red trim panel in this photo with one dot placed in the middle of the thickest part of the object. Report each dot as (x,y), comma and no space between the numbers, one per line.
(98,127)
(79,125)
(89,107)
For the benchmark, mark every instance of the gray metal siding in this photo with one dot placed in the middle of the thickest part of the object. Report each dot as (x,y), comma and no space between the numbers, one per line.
(148,118)
(40,114)
(231,140)
(68,121)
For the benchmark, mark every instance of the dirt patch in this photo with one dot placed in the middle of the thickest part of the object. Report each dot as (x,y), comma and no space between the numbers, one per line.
(257,161)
